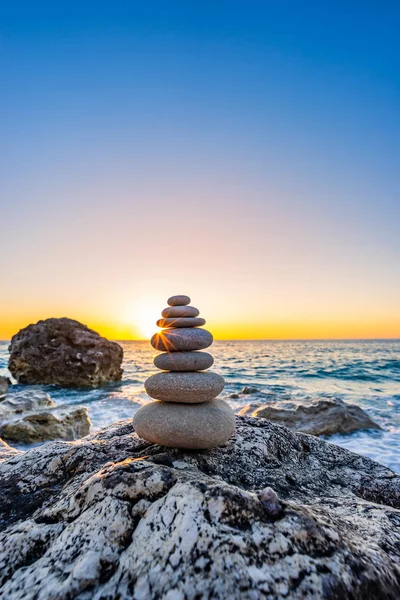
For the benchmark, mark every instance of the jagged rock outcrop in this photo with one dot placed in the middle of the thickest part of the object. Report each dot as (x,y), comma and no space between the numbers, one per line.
(62,422)
(320,417)
(64,352)
(25,401)
(32,416)
(273,514)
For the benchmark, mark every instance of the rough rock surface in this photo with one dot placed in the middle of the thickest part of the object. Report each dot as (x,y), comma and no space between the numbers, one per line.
(17,403)
(112,516)
(63,422)
(64,352)
(320,417)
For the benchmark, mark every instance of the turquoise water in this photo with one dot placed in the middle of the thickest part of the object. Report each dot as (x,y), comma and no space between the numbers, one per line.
(366,373)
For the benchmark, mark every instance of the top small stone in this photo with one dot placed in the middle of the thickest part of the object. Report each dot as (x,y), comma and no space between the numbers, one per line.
(178,300)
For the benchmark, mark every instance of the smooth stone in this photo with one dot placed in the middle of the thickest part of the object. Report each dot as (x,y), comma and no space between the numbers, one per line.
(189,388)
(194,427)
(183,361)
(182,339)
(180,311)
(181,322)
(178,300)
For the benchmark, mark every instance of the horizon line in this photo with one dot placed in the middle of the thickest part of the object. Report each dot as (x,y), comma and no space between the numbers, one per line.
(377,339)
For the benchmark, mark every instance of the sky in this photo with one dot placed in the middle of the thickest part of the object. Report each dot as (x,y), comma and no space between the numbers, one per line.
(242,152)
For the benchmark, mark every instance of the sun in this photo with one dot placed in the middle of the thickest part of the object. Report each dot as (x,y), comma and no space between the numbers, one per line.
(144,319)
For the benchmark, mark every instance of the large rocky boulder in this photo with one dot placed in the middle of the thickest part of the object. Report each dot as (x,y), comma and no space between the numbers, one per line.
(64,352)
(320,417)
(273,514)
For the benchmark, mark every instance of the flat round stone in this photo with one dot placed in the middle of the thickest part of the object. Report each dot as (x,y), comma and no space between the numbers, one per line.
(183,361)
(189,426)
(182,339)
(178,300)
(180,311)
(181,322)
(189,388)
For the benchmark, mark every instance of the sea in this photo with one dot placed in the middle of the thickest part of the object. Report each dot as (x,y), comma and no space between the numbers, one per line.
(366,373)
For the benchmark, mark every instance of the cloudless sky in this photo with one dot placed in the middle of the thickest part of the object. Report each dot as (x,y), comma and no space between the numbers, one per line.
(243,152)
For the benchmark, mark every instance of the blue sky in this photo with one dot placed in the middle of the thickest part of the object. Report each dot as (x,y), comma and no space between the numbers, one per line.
(276,124)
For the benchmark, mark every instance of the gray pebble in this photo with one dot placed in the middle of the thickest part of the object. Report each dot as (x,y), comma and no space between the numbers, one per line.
(189,388)
(183,361)
(180,311)
(182,339)
(181,322)
(178,300)
(190,426)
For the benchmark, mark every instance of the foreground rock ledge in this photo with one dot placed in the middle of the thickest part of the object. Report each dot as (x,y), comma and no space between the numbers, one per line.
(112,516)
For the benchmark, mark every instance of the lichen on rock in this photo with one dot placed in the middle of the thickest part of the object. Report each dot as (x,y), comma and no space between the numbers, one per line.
(113,516)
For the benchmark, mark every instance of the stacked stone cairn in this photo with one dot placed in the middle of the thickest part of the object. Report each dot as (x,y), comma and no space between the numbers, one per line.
(186,413)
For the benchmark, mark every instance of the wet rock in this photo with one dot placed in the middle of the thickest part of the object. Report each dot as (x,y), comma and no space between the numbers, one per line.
(16,403)
(249,390)
(63,422)
(100,518)
(184,387)
(320,417)
(4,383)
(64,352)
(233,396)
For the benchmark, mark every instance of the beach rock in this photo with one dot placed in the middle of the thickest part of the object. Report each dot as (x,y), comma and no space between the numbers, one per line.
(183,339)
(112,516)
(6,451)
(21,402)
(320,417)
(194,426)
(180,311)
(4,383)
(188,388)
(63,422)
(184,361)
(249,390)
(233,396)
(179,300)
(64,352)
(181,322)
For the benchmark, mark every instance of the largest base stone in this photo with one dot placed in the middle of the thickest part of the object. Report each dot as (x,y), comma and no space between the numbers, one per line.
(190,426)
